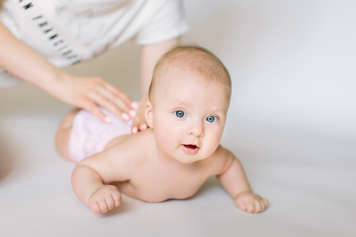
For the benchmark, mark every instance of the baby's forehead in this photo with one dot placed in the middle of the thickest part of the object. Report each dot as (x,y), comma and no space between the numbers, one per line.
(189,64)
(191,104)
(193,93)
(176,74)
(184,85)
(194,63)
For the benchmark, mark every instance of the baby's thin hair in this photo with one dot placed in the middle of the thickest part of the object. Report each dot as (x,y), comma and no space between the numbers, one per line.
(193,58)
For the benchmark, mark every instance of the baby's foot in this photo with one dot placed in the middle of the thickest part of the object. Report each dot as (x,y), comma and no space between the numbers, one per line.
(104,199)
(250,202)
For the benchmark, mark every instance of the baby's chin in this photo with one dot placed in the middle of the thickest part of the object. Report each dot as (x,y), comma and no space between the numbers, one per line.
(191,159)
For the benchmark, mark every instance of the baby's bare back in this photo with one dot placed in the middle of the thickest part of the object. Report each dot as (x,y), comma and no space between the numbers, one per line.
(156,178)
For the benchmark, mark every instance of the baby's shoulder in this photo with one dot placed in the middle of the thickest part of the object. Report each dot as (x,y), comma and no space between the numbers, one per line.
(117,141)
(219,160)
(134,147)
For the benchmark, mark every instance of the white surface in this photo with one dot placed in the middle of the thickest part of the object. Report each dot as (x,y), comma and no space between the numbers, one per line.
(291,122)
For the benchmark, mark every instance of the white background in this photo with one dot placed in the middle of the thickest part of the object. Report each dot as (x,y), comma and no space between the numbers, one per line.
(291,123)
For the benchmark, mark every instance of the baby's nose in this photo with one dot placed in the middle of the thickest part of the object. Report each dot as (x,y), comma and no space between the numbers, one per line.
(197,130)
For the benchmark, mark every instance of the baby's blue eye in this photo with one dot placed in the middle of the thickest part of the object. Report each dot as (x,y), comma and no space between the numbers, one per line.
(211,118)
(179,113)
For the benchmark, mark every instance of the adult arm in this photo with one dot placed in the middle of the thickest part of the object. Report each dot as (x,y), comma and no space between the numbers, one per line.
(85,92)
(150,54)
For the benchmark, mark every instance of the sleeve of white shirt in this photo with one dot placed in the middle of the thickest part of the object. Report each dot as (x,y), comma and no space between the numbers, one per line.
(169,22)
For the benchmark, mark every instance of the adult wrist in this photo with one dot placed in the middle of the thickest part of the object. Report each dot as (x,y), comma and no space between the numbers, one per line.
(50,79)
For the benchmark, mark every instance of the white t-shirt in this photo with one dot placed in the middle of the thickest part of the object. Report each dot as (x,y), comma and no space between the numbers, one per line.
(69,31)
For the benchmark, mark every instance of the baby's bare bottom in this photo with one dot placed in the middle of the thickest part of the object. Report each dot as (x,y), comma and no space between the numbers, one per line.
(63,134)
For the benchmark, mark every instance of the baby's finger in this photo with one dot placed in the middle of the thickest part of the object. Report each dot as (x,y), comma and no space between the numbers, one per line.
(103,207)
(116,199)
(265,203)
(242,207)
(95,207)
(109,202)
(257,206)
(250,208)
(262,205)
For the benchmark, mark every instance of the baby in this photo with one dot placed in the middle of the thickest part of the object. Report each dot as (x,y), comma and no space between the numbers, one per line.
(188,100)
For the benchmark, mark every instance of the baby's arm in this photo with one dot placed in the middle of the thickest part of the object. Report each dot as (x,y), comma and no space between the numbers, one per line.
(91,178)
(234,180)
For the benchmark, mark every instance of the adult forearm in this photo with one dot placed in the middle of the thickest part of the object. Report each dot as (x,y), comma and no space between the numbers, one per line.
(23,62)
(150,54)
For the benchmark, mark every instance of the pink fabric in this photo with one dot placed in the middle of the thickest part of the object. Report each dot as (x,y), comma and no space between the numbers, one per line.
(90,135)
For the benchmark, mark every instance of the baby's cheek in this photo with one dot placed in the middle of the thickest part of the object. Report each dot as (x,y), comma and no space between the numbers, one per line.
(213,140)
(214,135)
(166,134)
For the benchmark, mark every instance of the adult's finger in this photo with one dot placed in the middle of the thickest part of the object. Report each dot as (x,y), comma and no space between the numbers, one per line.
(113,103)
(119,94)
(110,106)
(94,109)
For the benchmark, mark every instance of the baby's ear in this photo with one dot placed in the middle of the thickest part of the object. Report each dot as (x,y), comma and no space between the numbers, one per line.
(149,113)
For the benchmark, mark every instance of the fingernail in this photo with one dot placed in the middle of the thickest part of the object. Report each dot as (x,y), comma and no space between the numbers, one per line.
(143,127)
(125,116)
(132,113)
(107,119)
(134,105)
(134,130)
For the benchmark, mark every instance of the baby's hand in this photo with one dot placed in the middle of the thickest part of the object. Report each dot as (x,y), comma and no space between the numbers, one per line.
(139,121)
(104,199)
(250,202)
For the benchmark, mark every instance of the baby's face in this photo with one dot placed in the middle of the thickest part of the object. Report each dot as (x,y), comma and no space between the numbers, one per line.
(188,115)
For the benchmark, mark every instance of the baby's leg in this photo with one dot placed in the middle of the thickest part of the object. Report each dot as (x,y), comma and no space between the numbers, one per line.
(63,134)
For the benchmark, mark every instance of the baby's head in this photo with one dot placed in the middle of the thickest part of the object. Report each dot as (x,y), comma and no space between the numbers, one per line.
(188,100)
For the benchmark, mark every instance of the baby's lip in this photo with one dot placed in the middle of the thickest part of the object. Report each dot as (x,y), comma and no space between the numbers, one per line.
(190,148)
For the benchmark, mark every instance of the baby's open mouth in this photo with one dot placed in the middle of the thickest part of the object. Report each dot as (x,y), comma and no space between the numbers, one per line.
(190,148)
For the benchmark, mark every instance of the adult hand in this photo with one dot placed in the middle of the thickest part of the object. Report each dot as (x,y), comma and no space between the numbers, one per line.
(139,121)
(90,93)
